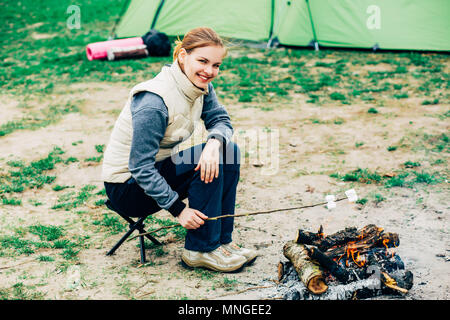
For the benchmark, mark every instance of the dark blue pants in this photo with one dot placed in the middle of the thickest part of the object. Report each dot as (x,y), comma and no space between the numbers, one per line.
(213,199)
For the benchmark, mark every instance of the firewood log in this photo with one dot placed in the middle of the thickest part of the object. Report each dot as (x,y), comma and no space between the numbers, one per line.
(388,239)
(308,271)
(343,237)
(306,237)
(368,237)
(338,238)
(340,273)
(280,271)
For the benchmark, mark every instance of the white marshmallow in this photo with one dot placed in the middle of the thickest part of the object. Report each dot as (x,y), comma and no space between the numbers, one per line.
(331,205)
(351,195)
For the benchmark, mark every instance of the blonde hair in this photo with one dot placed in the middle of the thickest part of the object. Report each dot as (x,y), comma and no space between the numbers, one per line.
(198,38)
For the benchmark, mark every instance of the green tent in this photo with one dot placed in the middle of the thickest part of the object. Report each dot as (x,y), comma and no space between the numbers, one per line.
(247,19)
(383,24)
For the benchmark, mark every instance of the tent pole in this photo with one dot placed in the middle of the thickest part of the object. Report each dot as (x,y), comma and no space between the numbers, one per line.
(316,43)
(155,17)
(272,3)
(122,11)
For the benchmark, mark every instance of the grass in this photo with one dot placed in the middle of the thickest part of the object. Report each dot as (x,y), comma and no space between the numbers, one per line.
(35,175)
(427,178)
(378,198)
(72,200)
(99,148)
(47,233)
(362,175)
(392,148)
(397,181)
(29,176)
(70,253)
(411,164)
(11,202)
(59,188)
(430,102)
(12,245)
(112,223)
(34,238)
(362,201)
(45,117)
(20,291)
(402,178)
(62,56)
(438,142)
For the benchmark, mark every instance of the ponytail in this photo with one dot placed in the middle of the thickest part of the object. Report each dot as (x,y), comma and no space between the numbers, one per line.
(197,38)
(176,50)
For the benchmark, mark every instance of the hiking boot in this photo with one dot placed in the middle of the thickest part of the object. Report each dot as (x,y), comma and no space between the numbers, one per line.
(218,260)
(248,254)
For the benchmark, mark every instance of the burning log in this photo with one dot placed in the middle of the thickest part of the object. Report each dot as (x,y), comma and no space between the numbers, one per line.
(340,273)
(323,243)
(369,237)
(389,240)
(308,271)
(306,237)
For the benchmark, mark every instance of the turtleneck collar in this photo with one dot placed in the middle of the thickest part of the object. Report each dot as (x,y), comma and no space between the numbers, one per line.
(186,86)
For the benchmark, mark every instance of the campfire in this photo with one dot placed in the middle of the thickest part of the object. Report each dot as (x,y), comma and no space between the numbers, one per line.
(349,264)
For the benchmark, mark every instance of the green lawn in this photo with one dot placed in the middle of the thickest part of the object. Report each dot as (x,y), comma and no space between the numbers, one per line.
(41,52)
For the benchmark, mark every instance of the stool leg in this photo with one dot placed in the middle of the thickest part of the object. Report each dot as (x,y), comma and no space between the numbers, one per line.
(134,225)
(118,244)
(141,240)
(149,237)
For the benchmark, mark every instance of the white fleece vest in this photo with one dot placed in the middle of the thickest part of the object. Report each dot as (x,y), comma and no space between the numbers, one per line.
(184,103)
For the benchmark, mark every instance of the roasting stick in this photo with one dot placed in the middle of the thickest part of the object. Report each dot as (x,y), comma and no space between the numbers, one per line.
(270,211)
(237,215)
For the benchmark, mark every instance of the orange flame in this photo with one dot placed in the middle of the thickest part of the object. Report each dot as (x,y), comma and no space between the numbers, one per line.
(354,253)
(385,242)
(320,233)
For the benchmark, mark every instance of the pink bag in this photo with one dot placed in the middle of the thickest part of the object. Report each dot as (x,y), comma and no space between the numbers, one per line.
(98,50)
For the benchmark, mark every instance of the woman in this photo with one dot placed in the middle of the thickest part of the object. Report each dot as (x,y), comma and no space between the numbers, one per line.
(144,172)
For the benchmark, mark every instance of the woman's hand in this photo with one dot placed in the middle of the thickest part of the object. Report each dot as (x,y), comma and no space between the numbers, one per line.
(191,218)
(209,161)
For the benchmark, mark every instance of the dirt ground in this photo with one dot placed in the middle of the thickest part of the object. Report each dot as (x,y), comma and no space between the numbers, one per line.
(295,173)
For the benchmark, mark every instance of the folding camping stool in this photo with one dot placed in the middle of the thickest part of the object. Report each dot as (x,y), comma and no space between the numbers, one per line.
(133,225)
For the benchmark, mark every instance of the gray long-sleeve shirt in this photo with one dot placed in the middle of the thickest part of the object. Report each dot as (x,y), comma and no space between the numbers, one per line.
(150,119)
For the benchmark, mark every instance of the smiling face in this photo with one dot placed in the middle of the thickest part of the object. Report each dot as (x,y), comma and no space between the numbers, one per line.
(201,65)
